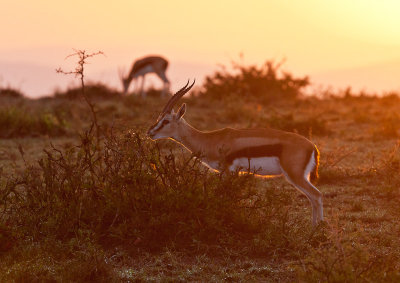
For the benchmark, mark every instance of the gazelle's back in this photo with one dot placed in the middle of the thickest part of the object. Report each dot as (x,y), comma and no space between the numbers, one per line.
(142,63)
(265,152)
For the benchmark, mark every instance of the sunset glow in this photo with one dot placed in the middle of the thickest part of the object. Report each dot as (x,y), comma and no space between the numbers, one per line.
(199,141)
(324,40)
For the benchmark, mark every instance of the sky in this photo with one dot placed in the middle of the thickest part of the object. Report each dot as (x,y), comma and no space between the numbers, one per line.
(336,43)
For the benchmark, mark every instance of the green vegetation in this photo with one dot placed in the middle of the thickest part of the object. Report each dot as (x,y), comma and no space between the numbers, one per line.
(9,92)
(105,204)
(17,121)
(93,91)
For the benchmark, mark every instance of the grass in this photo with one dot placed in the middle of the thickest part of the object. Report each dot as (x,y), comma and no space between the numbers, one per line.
(78,207)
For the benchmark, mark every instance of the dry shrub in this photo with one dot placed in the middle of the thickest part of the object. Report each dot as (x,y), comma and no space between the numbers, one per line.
(126,192)
(311,126)
(122,192)
(234,112)
(12,93)
(266,84)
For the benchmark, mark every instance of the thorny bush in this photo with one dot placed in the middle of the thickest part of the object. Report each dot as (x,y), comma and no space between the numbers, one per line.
(252,83)
(124,190)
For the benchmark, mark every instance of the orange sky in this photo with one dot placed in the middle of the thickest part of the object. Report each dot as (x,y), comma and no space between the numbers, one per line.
(336,43)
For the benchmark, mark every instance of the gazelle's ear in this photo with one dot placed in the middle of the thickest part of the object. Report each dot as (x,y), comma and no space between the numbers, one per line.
(181,111)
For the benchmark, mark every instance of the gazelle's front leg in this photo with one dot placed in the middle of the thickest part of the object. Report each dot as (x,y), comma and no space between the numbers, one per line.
(142,92)
(165,90)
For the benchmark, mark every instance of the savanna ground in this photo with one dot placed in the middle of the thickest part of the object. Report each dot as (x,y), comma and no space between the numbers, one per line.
(83,201)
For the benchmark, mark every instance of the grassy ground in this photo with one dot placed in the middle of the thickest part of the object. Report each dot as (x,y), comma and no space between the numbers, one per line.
(358,139)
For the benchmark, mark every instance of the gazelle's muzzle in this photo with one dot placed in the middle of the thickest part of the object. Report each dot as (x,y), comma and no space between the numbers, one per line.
(150,132)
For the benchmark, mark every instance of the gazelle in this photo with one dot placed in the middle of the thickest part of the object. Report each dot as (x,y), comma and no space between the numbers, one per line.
(266,152)
(143,66)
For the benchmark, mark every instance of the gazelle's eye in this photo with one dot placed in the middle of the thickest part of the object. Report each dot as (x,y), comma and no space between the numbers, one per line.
(165,122)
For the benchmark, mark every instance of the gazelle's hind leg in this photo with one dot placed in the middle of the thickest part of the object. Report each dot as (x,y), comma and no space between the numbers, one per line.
(315,197)
(299,178)
(163,77)
(312,193)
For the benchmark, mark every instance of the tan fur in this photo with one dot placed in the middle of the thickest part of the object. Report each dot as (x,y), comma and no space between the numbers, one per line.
(294,159)
(150,64)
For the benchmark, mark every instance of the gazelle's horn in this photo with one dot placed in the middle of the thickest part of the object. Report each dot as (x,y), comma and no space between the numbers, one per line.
(176,97)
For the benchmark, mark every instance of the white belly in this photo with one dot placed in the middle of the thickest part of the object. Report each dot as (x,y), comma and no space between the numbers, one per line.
(266,166)
(214,165)
(143,71)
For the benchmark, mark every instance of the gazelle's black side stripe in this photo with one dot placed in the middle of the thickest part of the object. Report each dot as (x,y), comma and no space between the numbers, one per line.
(269,150)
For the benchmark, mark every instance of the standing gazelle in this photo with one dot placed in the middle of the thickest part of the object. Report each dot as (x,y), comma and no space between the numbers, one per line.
(266,152)
(150,64)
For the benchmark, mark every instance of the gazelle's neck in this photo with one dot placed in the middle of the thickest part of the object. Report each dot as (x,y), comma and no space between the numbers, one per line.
(129,78)
(190,137)
(126,82)
(132,74)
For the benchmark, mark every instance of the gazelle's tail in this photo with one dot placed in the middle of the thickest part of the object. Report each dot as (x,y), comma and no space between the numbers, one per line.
(314,173)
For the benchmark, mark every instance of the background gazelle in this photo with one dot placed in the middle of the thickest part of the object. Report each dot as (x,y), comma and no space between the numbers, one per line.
(150,64)
(266,152)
